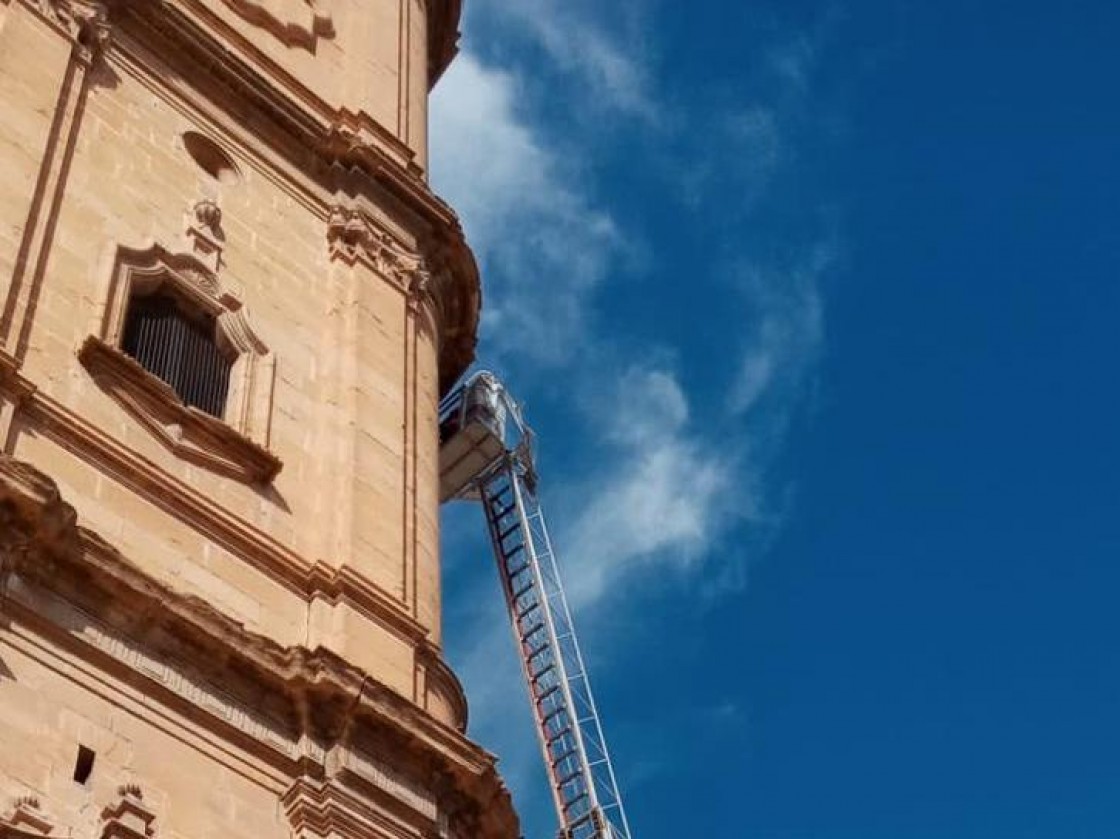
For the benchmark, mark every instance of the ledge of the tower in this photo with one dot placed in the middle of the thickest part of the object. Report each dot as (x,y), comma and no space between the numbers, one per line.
(443,36)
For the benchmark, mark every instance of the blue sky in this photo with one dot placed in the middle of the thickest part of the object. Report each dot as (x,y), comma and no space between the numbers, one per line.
(814,306)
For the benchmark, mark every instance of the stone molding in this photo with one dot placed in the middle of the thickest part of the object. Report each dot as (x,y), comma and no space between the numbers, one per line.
(349,134)
(297,23)
(235,445)
(331,809)
(325,718)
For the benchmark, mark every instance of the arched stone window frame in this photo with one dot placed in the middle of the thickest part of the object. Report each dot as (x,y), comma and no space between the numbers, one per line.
(235,445)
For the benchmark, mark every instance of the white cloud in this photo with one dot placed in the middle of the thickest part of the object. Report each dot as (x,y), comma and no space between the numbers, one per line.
(542,243)
(663,496)
(783,337)
(677,477)
(608,67)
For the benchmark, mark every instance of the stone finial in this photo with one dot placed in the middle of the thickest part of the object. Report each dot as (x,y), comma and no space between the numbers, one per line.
(129,817)
(27,816)
(209,215)
(205,236)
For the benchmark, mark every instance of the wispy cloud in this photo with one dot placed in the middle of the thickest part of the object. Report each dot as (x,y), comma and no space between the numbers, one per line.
(608,65)
(662,493)
(543,243)
(784,331)
(677,472)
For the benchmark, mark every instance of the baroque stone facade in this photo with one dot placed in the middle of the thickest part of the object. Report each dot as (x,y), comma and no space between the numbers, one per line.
(223,618)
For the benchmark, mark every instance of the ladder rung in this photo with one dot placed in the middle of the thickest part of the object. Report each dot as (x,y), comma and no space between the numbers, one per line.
(515,526)
(544,671)
(556,761)
(548,693)
(526,635)
(570,804)
(558,735)
(537,651)
(514,551)
(524,612)
(551,715)
(582,820)
(524,589)
(504,512)
(497,498)
(567,779)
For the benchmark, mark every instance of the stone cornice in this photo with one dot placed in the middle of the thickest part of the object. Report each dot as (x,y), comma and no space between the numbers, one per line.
(318,705)
(443,36)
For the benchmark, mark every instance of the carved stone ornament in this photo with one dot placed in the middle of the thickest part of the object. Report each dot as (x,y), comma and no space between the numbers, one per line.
(87,21)
(206,237)
(128,817)
(352,236)
(297,23)
(235,445)
(26,818)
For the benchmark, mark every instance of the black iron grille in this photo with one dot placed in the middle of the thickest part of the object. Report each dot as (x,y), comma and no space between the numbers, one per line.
(179,349)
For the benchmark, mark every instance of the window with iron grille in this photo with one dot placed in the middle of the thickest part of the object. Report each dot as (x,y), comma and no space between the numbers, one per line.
(181,348)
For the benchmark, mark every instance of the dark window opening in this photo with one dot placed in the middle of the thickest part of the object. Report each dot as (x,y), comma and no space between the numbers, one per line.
(83,766)
(180,349)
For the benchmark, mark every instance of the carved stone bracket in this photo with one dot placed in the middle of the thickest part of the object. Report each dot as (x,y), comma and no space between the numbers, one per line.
(26,818)
(353,236)
(86,21)
(129,817)
(355,137)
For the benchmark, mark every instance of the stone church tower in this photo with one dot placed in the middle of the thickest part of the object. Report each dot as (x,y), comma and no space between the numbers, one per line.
(230,306)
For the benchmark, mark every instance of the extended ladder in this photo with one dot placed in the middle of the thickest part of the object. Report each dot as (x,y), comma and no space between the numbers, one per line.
(486,455)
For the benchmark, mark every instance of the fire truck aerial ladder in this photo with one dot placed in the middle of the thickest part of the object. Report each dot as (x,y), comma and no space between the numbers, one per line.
(486,455)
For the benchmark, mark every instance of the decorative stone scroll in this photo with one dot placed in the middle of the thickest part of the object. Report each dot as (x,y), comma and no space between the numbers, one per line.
(297,23)
(235,445)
